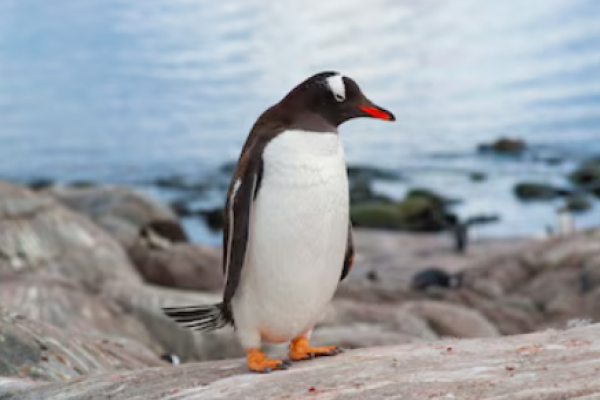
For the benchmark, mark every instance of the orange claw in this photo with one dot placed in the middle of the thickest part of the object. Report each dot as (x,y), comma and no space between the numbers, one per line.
(258,362)
(300,349)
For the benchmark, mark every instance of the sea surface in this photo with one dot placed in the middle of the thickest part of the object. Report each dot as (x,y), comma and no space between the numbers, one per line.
(128,91)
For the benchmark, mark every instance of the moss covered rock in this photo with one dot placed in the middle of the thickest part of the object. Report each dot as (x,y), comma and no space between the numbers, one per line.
(535,191)
(587,176)
(420,211)
(377,215)
(578,203)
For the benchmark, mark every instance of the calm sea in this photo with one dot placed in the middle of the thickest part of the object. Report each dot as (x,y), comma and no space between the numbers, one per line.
(126,91)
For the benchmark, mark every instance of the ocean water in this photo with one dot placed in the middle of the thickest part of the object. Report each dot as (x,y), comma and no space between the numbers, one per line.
(127,91)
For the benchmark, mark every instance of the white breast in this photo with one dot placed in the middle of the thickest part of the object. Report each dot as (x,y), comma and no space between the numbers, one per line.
(298,237)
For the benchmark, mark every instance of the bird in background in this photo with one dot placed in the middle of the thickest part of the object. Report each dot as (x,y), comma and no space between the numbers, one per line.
(288,237)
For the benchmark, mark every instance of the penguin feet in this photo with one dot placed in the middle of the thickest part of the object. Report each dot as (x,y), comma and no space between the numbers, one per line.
(300,349)
(258,362)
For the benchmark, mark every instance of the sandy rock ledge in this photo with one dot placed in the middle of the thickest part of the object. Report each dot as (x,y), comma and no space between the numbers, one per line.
(545,365)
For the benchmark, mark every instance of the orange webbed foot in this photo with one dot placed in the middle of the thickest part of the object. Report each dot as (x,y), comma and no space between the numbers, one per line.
(258,362)
(300,349)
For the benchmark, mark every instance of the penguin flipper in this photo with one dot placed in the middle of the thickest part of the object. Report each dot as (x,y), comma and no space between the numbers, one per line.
(240,200)
(349,258)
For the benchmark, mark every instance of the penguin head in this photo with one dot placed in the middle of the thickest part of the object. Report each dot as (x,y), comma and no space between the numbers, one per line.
(334,97)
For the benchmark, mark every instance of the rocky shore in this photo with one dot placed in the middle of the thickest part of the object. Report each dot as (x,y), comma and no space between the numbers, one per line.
(84,272)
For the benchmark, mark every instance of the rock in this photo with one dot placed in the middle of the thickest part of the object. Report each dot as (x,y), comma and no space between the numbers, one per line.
(477,176)
(425,211)
(119,210)
(35,350)
(504,145)
(358,335)
(452,320)
(39,183)
(38,236)
(213,217)
(146,303)
(530,191)
(362,192)
(526,367)
(420,211)
(577,203)
(587,175)
(65,303)
(362,178)
(383,317)
(435,277)
(179,265)
(181,183)
(369,173)
(377,215)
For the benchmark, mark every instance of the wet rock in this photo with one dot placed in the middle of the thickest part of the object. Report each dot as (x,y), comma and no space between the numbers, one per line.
(529,191)
(526,367)
(478,176)
(362,192)
(377,215)
(214,218)
(181,183)
(370,173)
(36,350)
(504,145)
(587,176)
(435,277)
(361,179)
(425,211)
(179,265)
(577,203)
(420,211)
(39,183)
(83,184)
(182,207)
(119,210)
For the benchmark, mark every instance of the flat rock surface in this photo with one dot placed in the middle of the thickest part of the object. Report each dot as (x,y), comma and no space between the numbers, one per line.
(39,351)
(545,365)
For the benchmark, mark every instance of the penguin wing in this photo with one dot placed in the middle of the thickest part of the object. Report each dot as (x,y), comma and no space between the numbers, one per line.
(349,259)
(240,200)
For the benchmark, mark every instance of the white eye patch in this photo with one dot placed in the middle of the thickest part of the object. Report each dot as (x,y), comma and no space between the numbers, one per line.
(336,84)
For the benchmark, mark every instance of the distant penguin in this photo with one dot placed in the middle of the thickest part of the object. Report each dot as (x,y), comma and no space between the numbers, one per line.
(435,277)
(564,222)
(171,358)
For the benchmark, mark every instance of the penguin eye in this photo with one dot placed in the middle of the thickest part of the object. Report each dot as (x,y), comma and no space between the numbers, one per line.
(339,97)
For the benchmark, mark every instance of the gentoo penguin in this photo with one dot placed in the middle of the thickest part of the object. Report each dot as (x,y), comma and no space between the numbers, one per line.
(287,238)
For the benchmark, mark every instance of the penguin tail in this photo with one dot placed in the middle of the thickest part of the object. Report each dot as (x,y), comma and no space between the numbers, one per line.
(201,318)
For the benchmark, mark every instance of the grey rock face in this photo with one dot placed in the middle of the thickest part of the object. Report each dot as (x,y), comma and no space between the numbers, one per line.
(545,365)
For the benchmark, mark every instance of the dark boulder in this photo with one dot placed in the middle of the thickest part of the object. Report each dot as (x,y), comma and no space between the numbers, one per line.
(504,145)
(534,191)
(587,176)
